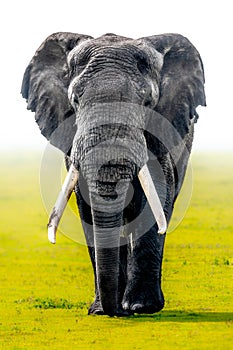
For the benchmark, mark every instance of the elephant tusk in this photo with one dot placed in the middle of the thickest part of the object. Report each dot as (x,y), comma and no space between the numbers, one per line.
(63,197)
(153,198)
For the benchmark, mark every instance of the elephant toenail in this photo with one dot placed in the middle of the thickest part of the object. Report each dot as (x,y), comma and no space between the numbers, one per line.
(125,306)
(136,307)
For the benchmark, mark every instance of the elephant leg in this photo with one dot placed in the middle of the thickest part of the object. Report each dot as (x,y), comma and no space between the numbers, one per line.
(143,293)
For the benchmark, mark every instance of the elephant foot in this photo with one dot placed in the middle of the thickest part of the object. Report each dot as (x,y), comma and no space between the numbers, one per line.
(123,313)
(96,309)
(143,309)
(147,301)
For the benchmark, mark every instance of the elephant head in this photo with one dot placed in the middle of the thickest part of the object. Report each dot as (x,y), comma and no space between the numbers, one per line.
(94,99)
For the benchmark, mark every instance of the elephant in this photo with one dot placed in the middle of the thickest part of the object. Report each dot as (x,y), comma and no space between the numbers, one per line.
(122,111)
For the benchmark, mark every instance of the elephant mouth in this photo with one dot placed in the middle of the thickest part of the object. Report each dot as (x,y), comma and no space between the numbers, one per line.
(111,174)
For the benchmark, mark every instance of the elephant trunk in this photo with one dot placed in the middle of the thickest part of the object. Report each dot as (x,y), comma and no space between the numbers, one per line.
(107,215)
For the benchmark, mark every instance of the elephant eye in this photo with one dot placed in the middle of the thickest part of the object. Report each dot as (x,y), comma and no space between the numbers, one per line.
(142,64)
(78,63)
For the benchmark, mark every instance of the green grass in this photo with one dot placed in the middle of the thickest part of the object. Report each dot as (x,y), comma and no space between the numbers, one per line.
(45,290)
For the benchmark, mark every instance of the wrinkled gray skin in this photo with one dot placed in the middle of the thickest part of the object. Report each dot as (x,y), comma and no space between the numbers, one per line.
(113,104)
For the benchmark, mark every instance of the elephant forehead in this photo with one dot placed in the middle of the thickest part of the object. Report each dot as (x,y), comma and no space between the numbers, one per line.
(117,49)
(125,51)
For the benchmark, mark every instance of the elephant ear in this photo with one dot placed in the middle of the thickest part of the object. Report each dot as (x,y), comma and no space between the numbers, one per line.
(181,80)
(45,87)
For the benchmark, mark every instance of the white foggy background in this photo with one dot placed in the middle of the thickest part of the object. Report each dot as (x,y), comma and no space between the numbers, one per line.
(207,24)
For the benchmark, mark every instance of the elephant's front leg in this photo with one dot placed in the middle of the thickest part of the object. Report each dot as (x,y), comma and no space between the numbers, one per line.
(143,293)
